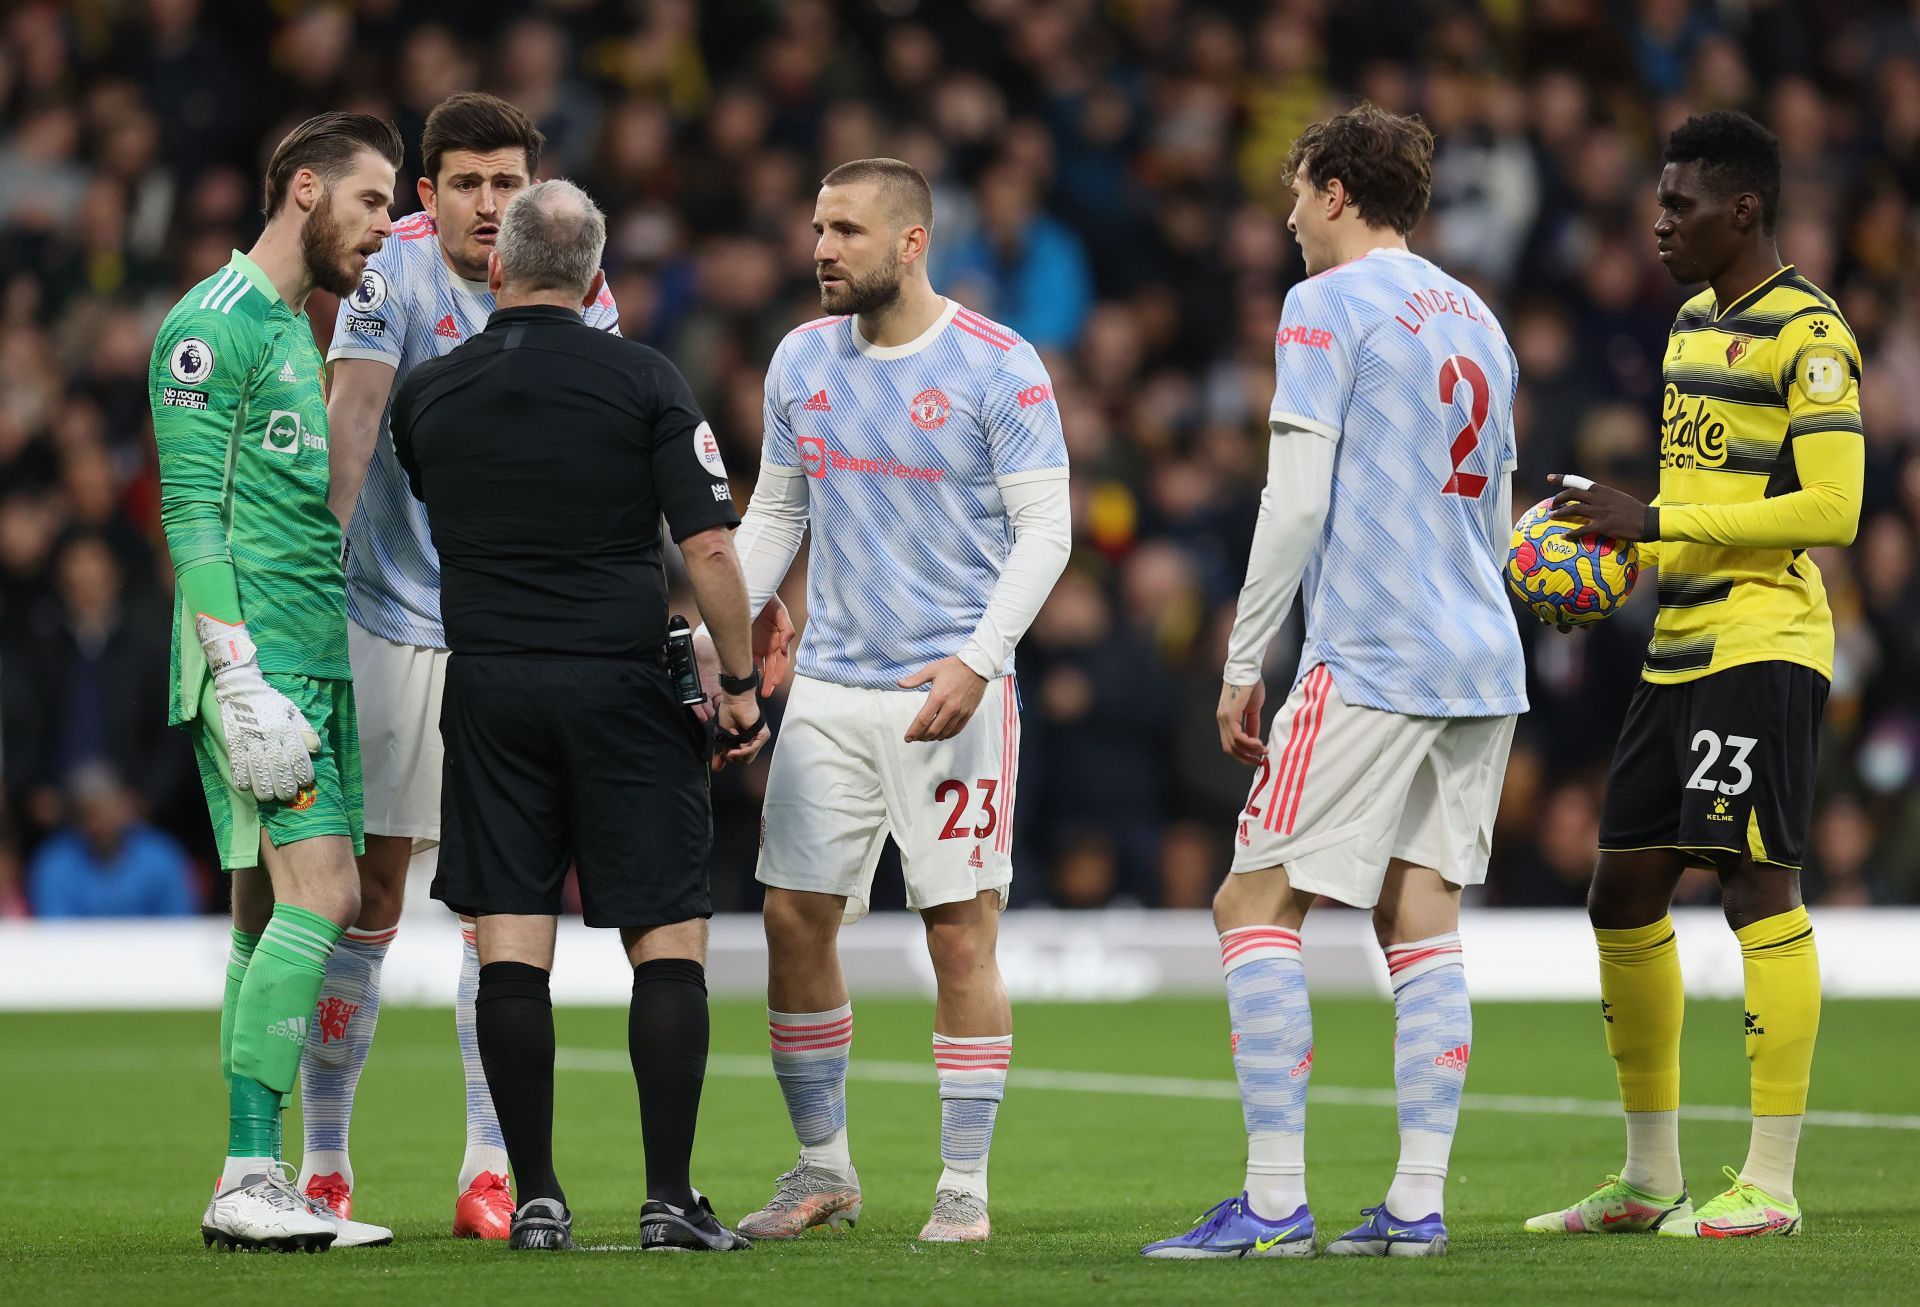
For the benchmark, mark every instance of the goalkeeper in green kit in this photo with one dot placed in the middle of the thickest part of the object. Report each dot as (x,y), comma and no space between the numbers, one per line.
(260,674)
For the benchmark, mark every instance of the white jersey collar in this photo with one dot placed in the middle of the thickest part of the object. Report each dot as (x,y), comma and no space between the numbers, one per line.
(913,346)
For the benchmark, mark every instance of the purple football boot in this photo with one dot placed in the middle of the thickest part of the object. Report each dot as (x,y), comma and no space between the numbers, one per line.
(1232,1229)
(1386,1235)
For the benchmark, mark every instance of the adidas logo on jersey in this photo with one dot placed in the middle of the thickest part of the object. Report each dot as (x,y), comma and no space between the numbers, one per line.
(1454,1059)
(294,1028)
(447,327)
(974,859)
(286,371)
(818,404)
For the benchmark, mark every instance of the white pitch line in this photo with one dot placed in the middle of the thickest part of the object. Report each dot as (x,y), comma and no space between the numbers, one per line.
(742,1066)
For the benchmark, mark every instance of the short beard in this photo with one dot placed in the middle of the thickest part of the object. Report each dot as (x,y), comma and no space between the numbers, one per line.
(325,251)
(864,296)
(466,271)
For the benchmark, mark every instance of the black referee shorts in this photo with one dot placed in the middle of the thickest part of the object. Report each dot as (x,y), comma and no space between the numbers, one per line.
(554,761)
(1719,766)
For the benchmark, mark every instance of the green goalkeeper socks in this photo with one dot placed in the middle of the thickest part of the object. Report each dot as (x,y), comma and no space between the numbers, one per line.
(272,1014)
(253,1119)
(237,959)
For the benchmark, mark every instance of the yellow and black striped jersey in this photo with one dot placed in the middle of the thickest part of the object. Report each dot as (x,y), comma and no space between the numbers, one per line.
(1761,458)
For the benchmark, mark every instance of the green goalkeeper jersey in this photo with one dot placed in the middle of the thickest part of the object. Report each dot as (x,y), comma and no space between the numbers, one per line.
(240,417)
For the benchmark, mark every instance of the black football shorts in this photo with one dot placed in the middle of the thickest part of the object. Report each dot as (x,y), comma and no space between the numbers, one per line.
(588,762)
(1720,766)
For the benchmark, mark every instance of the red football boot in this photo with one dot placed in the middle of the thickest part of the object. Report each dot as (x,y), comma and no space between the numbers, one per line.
(485,1210)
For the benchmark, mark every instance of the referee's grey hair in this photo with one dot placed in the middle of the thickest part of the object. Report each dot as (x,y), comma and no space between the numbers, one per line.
(551,238)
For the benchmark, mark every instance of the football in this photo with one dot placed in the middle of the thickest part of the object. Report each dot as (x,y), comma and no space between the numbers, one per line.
(1567,581)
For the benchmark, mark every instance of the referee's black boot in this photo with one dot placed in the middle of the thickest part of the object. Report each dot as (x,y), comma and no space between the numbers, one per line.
(542,1223)
(665,1228)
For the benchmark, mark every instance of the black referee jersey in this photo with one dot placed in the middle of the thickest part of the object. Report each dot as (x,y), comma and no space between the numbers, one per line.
(546,452)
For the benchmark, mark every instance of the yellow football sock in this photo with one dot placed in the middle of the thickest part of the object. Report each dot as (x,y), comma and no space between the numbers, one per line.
(1783,1010)
(1641,1000)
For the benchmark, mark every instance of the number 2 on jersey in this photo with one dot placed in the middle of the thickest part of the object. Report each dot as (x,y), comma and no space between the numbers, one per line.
(1456,369)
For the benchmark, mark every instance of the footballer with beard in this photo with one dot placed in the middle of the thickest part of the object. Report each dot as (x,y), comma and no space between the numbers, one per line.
(922,444)
(260,672)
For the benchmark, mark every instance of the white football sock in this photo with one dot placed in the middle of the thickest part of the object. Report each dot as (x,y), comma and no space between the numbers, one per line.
(1771,1153)
(1432,1042)
(1419,1185)
(1276,1174)
(486,1146)
(1272,1024)
(810,1052)
(973,1081)
(1653,1154)
(239,1168)
(336,1052)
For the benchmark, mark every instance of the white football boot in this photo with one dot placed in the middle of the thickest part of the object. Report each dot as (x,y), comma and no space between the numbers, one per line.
(265,1212)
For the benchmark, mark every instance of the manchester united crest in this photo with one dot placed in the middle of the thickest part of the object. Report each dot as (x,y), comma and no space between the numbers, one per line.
(930,409)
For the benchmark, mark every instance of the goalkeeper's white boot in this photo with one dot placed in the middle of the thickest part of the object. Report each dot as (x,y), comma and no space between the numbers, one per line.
(328,1198)
(265,1213)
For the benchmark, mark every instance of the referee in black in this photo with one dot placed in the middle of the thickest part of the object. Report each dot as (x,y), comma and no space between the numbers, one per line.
(546,452)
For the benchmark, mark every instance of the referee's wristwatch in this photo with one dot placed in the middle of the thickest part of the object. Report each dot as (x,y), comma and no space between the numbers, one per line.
(740,684)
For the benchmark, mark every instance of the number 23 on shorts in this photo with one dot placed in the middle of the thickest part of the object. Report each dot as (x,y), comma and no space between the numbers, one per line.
(958,793)
(1738,775)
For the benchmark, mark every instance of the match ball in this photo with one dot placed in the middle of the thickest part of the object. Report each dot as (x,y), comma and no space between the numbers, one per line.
(1567,581)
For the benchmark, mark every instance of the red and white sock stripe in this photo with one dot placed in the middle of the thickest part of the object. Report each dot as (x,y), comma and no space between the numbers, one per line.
(371,938)
(470,936)
(1290,773)
(803,1035)
(972,1057)
(1245,944)
(1418,957)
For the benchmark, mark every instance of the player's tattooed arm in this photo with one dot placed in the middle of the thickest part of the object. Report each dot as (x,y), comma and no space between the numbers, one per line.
(1603,511)
(1238,717)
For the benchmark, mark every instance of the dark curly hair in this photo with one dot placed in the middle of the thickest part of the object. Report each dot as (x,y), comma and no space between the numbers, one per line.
(1736,155)
(1384,160)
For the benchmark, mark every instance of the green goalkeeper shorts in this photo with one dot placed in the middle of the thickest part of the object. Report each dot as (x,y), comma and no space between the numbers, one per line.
(332,805)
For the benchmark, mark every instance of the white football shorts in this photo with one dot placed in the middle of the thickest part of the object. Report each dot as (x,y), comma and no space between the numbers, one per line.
(844,778)
(396,688)
(1345,789)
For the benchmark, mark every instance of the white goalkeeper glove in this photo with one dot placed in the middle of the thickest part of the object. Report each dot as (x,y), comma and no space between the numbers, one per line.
(269,744)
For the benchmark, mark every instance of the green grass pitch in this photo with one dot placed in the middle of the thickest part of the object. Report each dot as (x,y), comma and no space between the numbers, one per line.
(114,1125)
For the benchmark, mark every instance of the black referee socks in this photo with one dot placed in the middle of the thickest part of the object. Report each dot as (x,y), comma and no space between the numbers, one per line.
(667,1041)
(513,1019)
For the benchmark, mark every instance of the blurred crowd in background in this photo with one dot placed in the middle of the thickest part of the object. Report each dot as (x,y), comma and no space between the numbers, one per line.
(1107,181)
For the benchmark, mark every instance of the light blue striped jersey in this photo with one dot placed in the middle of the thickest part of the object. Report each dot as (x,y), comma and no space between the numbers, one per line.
(1409,372)
(410,307)
(905,449)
